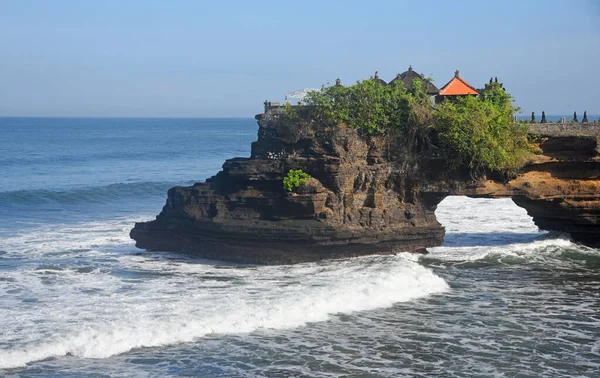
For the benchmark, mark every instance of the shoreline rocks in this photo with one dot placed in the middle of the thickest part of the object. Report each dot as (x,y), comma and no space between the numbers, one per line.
(367,195)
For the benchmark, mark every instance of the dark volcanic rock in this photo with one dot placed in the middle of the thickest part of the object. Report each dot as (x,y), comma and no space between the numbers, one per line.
(363,199)
(368,195)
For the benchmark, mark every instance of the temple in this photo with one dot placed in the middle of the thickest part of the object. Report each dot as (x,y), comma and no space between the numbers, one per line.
(407,77)
(457,87)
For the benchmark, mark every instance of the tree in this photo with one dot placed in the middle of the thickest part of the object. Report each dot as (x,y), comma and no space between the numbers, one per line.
(474,132)
(373,108)
(478,132)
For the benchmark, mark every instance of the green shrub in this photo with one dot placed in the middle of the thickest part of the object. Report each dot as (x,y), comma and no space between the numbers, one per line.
(478,132)
(475,132)
(369,106)
(294,179)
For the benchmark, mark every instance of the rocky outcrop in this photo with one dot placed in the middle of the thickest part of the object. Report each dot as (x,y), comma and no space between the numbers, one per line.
(560,187)
(367,195)
(363,199)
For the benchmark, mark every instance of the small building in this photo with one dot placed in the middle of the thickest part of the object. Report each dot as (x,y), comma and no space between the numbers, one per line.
(457,87)
(407,77)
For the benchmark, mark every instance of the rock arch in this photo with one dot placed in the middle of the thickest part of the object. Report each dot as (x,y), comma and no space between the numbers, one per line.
(367,195)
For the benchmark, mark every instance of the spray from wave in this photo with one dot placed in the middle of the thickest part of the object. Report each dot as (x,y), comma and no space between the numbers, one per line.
(180,301)
(511,240)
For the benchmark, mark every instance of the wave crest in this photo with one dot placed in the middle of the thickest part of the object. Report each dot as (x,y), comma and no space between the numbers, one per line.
(97,194)
(223,300)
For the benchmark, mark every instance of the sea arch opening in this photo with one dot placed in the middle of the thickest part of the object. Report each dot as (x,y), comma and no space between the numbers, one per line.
(471,222)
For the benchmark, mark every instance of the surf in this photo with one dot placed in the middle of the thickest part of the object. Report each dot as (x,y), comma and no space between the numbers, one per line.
(185,301)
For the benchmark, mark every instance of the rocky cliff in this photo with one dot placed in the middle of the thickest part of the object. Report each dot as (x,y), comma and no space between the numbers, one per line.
(367,195)
(560,186)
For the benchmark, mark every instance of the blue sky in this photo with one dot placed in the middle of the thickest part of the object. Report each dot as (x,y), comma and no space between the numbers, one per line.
(217,59)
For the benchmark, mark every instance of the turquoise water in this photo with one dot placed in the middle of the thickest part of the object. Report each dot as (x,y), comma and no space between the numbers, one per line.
(499,298)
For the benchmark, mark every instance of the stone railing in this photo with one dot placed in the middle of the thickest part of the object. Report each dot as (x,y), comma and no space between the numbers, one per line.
(565,129)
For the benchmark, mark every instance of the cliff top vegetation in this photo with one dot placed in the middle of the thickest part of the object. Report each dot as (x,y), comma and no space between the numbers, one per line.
(474,132)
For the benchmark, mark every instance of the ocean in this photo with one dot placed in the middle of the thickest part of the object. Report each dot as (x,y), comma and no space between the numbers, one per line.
(500,298)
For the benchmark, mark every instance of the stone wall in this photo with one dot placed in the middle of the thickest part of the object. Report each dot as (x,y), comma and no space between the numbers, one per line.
(565,129)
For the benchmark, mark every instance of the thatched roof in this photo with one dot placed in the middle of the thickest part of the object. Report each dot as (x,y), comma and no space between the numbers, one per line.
(407,78)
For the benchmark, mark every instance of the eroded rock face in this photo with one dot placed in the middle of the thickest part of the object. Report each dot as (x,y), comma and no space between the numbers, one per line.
(363,199)
(368,195)
(560,188)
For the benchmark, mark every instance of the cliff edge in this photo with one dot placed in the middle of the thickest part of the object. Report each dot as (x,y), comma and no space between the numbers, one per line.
(367,195)
(363,198)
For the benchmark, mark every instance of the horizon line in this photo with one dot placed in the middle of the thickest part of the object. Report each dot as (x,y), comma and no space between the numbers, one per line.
(208,117)
(125,117)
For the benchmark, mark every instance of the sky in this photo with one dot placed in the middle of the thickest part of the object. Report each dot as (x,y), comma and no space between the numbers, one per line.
(146,58)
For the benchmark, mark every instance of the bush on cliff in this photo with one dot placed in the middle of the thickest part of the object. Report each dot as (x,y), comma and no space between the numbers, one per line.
(369,106)
(479,133)
(295,178)
(474,132)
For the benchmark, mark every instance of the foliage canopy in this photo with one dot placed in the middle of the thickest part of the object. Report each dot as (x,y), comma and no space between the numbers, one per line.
(474,132)
(369,106)
(479,132)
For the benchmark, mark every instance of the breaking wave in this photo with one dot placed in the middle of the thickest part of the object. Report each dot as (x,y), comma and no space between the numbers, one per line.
(182,301)
(510,239)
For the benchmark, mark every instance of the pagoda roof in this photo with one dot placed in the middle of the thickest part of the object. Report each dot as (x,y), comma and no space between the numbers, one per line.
(458,87)
(407,78)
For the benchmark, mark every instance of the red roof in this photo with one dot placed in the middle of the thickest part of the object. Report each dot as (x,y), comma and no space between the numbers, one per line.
(457,87)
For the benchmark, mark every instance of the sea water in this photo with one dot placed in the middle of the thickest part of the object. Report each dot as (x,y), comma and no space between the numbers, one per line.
(500,298)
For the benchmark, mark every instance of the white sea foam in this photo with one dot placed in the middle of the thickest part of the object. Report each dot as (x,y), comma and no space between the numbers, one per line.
(84,290)
(498,231)
(71,240)
(52,307)
(528,250)
(479,216)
